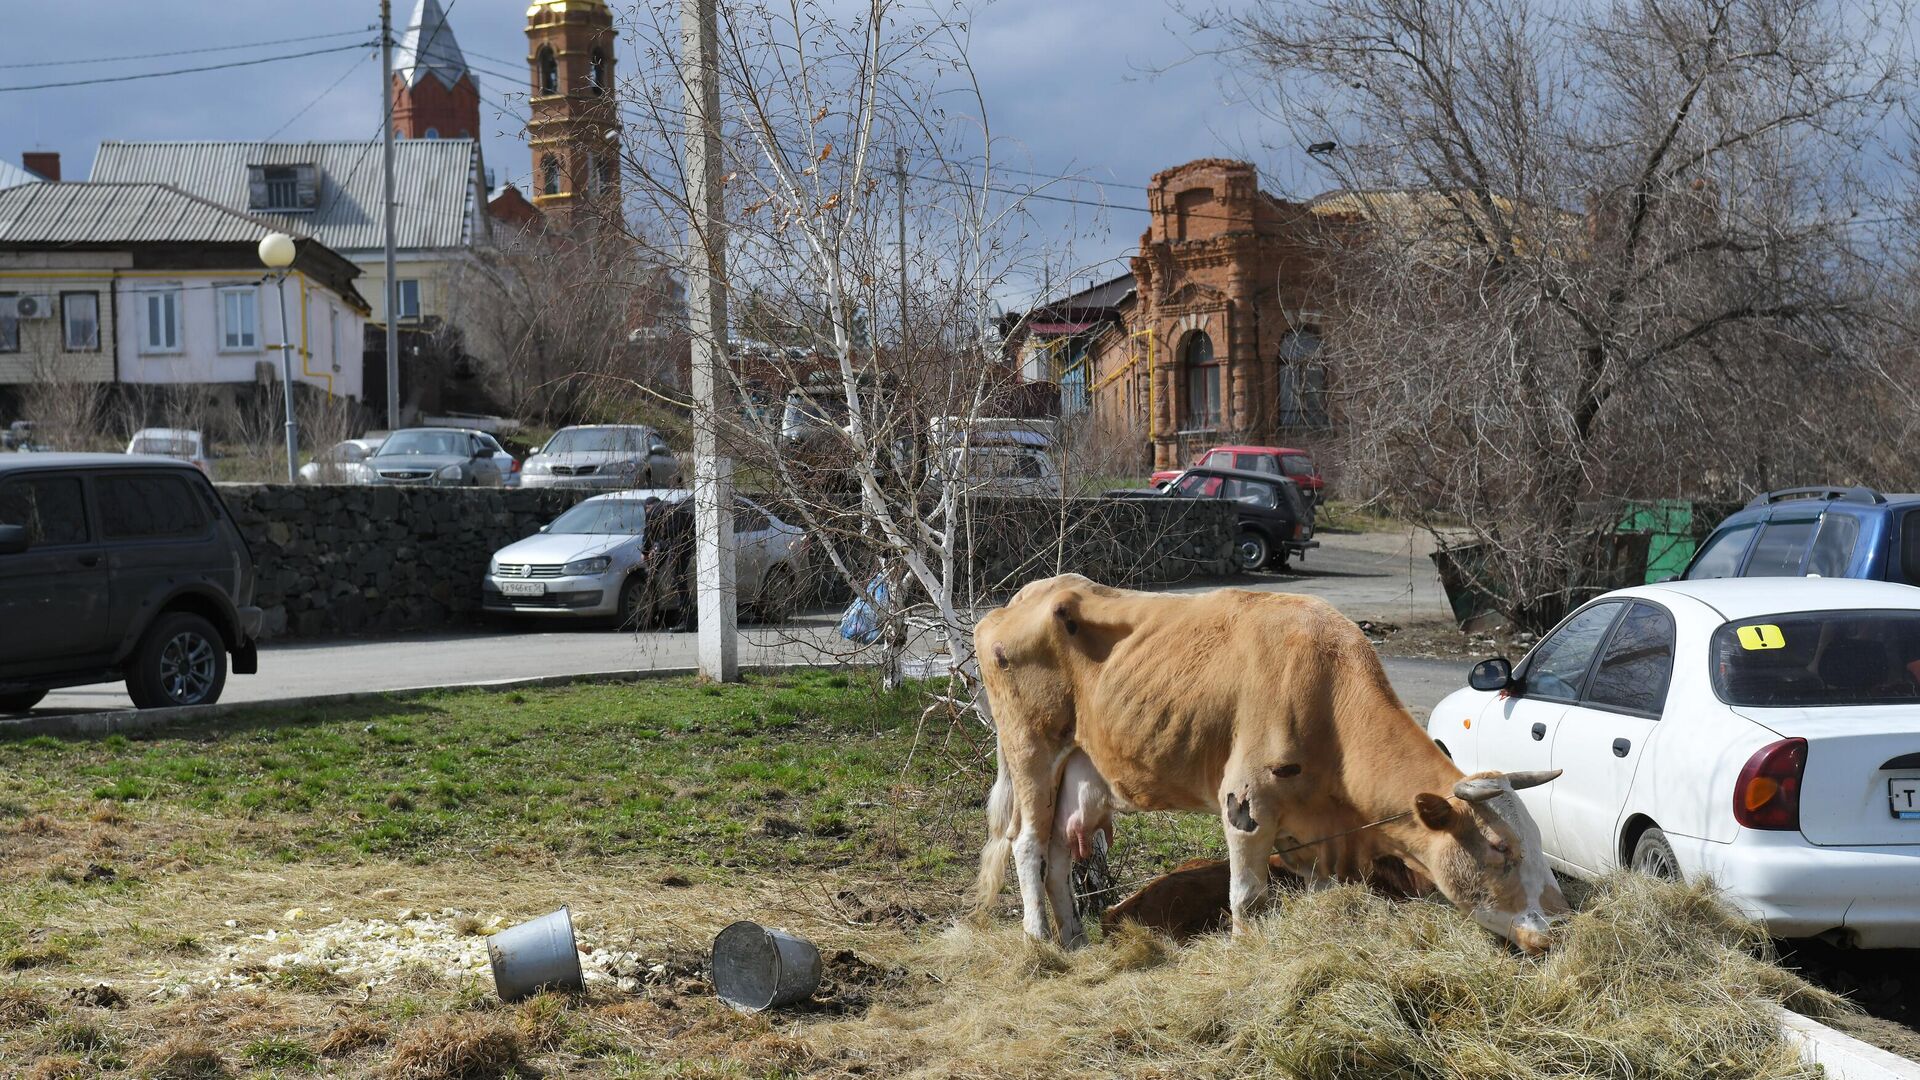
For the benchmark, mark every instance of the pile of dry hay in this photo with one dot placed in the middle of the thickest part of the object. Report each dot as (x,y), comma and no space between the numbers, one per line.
(1650,980)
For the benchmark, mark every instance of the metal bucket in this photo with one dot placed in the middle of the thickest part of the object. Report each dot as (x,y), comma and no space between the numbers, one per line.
(755,968)
(534,956)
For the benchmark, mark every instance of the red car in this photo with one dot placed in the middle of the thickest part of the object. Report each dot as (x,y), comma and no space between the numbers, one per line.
(1295,465)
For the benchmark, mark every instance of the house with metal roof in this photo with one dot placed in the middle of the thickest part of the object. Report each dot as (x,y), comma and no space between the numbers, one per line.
(331,191)
(145,283)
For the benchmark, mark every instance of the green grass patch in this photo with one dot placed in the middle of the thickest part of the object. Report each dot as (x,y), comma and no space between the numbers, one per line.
(818,769)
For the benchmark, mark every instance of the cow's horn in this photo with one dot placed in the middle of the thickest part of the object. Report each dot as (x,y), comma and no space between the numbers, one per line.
(1532,777)
(1478,788)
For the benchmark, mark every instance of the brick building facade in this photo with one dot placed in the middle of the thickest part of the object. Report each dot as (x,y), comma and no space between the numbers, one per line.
(1212,338)
(575,124)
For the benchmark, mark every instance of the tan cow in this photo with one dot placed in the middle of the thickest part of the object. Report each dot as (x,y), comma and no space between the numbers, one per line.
(1268,709)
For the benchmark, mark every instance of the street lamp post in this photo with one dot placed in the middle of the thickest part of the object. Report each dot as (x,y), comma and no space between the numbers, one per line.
(277,252)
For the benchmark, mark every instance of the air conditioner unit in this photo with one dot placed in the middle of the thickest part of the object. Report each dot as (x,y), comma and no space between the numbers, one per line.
(27,307)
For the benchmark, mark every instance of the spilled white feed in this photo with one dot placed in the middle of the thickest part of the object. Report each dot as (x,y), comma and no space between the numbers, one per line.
(447,944)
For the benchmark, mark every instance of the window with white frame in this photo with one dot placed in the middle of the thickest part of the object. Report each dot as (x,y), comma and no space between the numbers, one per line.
(409,306)
(160,319)
(239,318)
(80,318)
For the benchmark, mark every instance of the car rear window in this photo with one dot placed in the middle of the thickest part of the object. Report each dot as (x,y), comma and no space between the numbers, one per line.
(149,508)
(1910,547)
(1816,658)
(1832,553)
(1721,557)
(1781,549)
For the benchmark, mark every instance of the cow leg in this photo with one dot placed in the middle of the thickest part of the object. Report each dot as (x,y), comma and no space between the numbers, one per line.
(1034,785)
(1251,823)
(1066,913)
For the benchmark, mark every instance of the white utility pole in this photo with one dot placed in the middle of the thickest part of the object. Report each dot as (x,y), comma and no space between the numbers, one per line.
(388,200)
(707,323)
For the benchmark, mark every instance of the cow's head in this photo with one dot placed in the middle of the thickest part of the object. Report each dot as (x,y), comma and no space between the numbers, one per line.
(1482,849)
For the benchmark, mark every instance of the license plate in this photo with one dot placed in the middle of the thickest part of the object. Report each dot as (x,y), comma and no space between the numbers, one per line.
(1903,795)
(523,588)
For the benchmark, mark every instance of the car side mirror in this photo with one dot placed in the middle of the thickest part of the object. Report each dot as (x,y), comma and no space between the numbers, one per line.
(1494,674)
(14,539)
(544,528)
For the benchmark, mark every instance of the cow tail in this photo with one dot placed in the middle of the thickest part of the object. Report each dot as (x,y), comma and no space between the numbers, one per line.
(1002,825)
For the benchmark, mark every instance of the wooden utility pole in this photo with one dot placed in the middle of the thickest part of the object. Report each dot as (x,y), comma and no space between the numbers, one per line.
(389,203)
(707,323)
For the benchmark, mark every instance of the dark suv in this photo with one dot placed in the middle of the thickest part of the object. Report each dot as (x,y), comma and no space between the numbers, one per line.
(1816,531)
(120,567)
(1276,519)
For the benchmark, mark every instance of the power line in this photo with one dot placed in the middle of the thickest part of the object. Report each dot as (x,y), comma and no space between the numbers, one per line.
(185,71)
(308,107)
(183,52)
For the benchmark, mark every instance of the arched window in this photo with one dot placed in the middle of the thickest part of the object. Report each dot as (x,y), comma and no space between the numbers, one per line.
(550,175)
(549,72)
(595,175)
(597,71)
(1203,383)
(433,133)
(1303,380)
(609,169)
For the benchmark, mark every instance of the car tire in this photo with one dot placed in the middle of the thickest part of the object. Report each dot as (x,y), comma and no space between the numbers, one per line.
(634,612)
(181,660)
(21,700)
(1250,550)
(1653,856)
(776,594)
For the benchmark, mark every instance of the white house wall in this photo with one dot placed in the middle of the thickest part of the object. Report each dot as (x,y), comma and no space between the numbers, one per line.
(328,331)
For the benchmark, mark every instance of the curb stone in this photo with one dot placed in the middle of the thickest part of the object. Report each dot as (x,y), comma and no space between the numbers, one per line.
(1841,1055)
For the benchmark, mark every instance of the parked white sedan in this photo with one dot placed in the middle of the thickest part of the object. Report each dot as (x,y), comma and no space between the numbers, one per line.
(1763,732)
(593,560)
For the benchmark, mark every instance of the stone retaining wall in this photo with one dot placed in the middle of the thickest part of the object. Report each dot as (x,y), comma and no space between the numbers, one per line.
(349,560)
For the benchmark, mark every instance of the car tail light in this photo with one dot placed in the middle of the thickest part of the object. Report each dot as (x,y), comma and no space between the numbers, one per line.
(516,465)
(1299,530)
(1767,795)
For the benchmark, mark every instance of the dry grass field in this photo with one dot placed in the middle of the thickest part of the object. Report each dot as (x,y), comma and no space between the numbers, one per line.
(308,893)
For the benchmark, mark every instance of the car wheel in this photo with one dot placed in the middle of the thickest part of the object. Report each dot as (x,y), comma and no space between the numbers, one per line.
(776,594)
(1652,855)
(182,660)
(634,611)
(21,700)
(1250,550)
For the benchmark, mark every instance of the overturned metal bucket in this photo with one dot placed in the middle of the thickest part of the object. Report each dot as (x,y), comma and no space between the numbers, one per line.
(755,968)
(535,956)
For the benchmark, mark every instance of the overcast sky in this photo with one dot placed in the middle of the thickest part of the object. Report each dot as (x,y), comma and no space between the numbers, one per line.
(1069,83)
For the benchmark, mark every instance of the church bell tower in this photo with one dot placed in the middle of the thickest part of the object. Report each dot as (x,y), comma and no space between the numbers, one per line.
(574,131)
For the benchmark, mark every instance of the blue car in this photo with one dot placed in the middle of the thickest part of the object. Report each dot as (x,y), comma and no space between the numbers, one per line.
(1816,531)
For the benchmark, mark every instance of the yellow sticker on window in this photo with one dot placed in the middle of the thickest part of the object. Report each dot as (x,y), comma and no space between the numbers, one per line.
(1764,636)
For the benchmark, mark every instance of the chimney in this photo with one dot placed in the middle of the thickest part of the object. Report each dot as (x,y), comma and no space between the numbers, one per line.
(43,164)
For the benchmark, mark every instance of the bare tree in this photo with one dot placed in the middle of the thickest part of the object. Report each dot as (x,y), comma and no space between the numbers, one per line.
(565,325)
(67,413)
(1587,255)
(853,395)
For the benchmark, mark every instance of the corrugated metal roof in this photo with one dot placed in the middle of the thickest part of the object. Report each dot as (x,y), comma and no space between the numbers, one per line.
(98,213)
(14,175)
(433,183)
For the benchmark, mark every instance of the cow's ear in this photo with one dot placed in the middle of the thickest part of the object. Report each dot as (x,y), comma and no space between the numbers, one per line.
(1434,812)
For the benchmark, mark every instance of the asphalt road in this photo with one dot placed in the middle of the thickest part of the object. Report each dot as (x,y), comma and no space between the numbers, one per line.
(1367,576)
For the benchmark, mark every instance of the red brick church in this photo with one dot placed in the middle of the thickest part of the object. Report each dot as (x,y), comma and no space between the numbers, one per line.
(1212,338)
